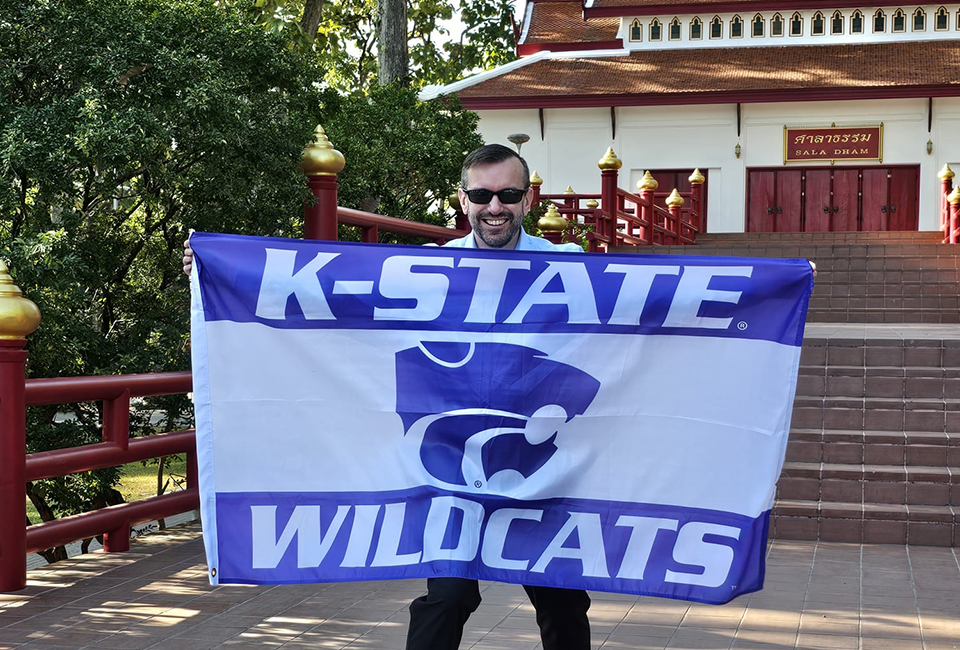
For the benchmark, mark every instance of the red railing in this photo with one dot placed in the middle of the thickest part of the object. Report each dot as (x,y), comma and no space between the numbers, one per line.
(614,221)
(949,207)
(18,468)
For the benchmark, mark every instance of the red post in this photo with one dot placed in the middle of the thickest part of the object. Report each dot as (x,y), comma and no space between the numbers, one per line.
(675,206)
(321,163)
(946,187)
(953,235)
(13,457)
(535,183)
(609,172)
(18,317)
(647,186)
(696,200)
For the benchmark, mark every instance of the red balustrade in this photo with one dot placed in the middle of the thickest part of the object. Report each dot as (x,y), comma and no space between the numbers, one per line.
(117,448)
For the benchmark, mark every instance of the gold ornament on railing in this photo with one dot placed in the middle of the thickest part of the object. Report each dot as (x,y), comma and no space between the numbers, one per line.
(648,182)
(18,316)
(696,177)
(552,221)
(593,204)
(535,179)
(454,201)
(320,158)
(674,200)
(946,173)
(609,160)
(954,197)
(569,190)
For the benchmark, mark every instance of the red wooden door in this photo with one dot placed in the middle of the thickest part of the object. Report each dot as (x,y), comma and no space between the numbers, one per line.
(902,205)
(789,200)
(873,211)
(762,202)
(845,204)
(817,203)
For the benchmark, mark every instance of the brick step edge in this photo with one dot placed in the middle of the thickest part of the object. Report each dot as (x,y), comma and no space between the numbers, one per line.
(935,438)
(945,475)
(865,524)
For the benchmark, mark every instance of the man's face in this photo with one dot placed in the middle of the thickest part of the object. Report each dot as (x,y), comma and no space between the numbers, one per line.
(495,224)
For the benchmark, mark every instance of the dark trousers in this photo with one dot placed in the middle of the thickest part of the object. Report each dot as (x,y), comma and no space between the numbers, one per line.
(437,619)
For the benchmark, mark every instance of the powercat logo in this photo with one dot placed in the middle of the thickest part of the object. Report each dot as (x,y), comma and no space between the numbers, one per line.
(487,414)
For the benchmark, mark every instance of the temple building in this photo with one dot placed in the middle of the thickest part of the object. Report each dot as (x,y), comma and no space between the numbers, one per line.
(803,115)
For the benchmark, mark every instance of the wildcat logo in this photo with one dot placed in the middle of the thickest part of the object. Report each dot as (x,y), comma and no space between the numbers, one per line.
(486,415)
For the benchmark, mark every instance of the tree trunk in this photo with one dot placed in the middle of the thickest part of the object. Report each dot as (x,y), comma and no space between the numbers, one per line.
(392,56)
(310,20)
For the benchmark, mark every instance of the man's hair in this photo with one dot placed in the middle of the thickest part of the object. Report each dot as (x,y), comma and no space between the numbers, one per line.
(492,153)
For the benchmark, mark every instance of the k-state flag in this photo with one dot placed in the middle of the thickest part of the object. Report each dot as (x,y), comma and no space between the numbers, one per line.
(606,422)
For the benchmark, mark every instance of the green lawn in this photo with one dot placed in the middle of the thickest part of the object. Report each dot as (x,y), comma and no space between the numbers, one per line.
(139,481)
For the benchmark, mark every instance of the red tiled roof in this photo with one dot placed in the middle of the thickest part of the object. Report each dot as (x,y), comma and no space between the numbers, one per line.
(664,76)
(563,22)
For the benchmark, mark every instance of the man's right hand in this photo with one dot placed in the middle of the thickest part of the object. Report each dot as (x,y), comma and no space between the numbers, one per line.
(187,258)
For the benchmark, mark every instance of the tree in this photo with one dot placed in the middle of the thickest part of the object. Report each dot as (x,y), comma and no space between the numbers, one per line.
(445,39)
(121,125)
(403,155)
(392,56)
(124,124)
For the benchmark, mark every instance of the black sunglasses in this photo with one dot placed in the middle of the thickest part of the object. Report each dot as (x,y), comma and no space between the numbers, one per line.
(507,197)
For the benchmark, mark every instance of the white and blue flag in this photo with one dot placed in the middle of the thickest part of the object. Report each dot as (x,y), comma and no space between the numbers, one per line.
(605,422)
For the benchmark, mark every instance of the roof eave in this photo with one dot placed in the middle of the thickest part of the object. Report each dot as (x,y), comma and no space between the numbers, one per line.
(719,97)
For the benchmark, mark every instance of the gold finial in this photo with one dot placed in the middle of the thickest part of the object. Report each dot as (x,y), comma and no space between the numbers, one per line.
(569,190)
(18,316)
(593,204)
(535,179)
(609,160)
(954,197)
(674,200)
(552,221)
(696,177)
(454,201)
(946,173)
(320,158)
(648,183)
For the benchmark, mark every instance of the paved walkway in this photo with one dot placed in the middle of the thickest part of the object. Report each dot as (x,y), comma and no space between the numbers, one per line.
(817,595)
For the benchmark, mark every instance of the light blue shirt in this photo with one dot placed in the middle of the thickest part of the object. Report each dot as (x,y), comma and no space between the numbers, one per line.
(526,243)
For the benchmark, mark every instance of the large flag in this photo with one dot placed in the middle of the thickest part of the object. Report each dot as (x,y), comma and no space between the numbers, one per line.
(606,422)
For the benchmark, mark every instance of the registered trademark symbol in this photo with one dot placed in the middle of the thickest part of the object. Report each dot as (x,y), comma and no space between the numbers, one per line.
(742,325)
(477,484)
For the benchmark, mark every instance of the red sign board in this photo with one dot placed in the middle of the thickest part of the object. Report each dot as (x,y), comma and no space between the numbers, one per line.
(833,143)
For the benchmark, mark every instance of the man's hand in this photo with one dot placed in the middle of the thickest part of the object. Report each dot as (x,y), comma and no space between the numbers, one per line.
(187,258)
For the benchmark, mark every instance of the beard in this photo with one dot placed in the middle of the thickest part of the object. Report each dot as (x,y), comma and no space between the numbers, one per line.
(496,236)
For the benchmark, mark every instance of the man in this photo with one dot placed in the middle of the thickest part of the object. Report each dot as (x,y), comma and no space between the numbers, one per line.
(495,193)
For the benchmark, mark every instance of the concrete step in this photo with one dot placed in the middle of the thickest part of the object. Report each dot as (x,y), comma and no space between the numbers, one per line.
(863,483)
(877,414)
(892,357)
(912,448)
(855,522)
(831,237)
(882,382)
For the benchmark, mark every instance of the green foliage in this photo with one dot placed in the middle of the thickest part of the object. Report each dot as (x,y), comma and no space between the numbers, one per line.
(123,124)
(403,156)
(447,39)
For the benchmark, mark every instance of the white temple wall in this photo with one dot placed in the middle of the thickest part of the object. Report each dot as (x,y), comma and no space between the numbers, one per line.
(705,136)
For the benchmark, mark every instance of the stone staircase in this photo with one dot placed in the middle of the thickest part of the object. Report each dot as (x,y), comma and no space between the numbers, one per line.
(874,450)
